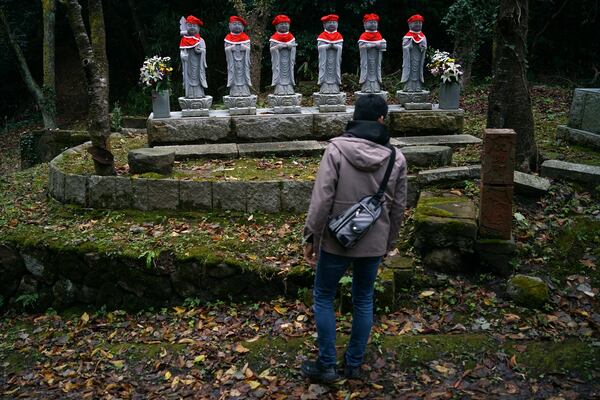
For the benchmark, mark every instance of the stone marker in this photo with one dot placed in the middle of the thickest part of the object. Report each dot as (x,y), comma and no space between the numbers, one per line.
(155,159)
(571,171)
(583,126)
(530,185)
(427,156)
(497,175)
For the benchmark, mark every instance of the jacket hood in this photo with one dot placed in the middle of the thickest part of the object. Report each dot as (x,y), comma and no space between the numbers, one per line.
(370,130)
(363,154)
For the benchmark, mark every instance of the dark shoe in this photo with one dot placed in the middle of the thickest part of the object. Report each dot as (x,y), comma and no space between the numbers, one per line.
(352,372)
(316,372)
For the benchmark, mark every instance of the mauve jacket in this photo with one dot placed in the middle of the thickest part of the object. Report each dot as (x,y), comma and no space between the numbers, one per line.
(351,169)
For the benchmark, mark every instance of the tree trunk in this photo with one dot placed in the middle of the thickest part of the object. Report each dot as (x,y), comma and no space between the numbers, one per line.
(258,20)
(93,57)
(464,52)
(49,84)
(509,102)
(47,108)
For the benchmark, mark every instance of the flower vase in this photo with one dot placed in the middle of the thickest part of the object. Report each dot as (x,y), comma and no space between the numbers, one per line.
(449,95)
(160,104)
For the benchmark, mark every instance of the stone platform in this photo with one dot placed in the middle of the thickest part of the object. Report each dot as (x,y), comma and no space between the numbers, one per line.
(309,124)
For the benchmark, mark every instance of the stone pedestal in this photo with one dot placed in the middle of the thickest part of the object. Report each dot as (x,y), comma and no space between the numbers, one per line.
(285,104)
(195,107)
(412,97)
(418,106)
(330,102)
(245,105)
(383,95)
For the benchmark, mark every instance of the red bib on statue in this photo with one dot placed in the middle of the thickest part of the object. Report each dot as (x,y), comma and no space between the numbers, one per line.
(188,42)
(282,37)
(331,37)
(416,36)
(371,36)
(239,38)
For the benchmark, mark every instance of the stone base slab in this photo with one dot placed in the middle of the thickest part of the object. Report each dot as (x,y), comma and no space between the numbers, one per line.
(285,104)
(444,140)
(571,171)
(330,102)
(242,111)
(427,156)
(412,97)
(384,95)
(578,136)
(195,107)
(418,106)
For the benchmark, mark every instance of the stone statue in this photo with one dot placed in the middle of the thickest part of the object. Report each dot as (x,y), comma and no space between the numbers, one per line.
(414,48)
(237,52)
(193,59)
(329,45)
(283,59)
(371,46)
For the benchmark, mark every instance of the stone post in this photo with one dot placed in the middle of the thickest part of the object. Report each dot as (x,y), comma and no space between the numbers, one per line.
(496,244)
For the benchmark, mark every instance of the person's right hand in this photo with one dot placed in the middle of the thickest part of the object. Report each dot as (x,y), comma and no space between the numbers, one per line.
(309,255)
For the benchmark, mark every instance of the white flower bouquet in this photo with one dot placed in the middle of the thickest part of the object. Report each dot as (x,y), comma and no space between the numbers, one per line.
(445,67)
(155,73)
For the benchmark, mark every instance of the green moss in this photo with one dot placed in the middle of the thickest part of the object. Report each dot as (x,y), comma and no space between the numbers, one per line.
(423,211)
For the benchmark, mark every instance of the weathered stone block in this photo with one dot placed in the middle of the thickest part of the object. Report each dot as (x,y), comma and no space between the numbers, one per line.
(444,174)
(444,140)
(139,194)
(418,106)
(281,149)
(64,293)
(263,196)
(240,105)
(572,135)
(498,158)
(530,185)
(571,171)
(412,97)
(178,130)
(75,189)
(330,102)
(56,183)
(496,211)
(403,270)
(11,270)
(295,196)
(195,151)
(445,222)
(327,126)
(195,107)
(427,156)
(447,260)
(495,255)
(123,196)
(273,128)
(421,123)
(229,196)
(528,291)
(163,194)
(585,110)
(412,191)
(156,159)
(195,195)
(101,190)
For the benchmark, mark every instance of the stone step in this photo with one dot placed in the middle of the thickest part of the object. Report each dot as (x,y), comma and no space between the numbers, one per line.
(440,140)
(571,171)
(427,156)
(233,150)
(449,174)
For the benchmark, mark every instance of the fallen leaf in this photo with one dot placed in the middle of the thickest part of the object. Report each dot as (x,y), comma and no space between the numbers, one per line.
(240,349)
(426,293)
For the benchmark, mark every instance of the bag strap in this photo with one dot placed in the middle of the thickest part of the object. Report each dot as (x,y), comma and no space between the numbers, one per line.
(379,195)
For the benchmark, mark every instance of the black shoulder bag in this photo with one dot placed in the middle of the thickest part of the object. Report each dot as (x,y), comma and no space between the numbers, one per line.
(351,225)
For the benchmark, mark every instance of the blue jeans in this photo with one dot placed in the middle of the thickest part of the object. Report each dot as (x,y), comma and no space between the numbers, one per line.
(330,269)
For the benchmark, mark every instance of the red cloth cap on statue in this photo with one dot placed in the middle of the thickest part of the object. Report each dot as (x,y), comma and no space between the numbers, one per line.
(371,17)
(415,18)
(235,18)
(330,17)
(193,20)
(281,19)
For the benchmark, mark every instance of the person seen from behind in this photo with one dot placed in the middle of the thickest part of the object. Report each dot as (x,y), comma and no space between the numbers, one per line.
(353,166)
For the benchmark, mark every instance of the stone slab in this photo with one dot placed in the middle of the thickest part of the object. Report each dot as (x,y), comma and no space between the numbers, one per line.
(444,174)
(229,196)
(75,189)
(195,195)
(242,111)
(195,151)
(571,171)
(179,130)
(101,191)
(530,185)
(263,196)
(295,196)
(444,140)
(154,159)
(412,191)
(578,136)
(330,125)
(418,106)
(163,194)
(281,149)
(271,128)
(329,108)
(427,156)
(424,123)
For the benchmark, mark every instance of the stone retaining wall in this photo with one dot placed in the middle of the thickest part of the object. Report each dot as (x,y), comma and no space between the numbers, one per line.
(308,125)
